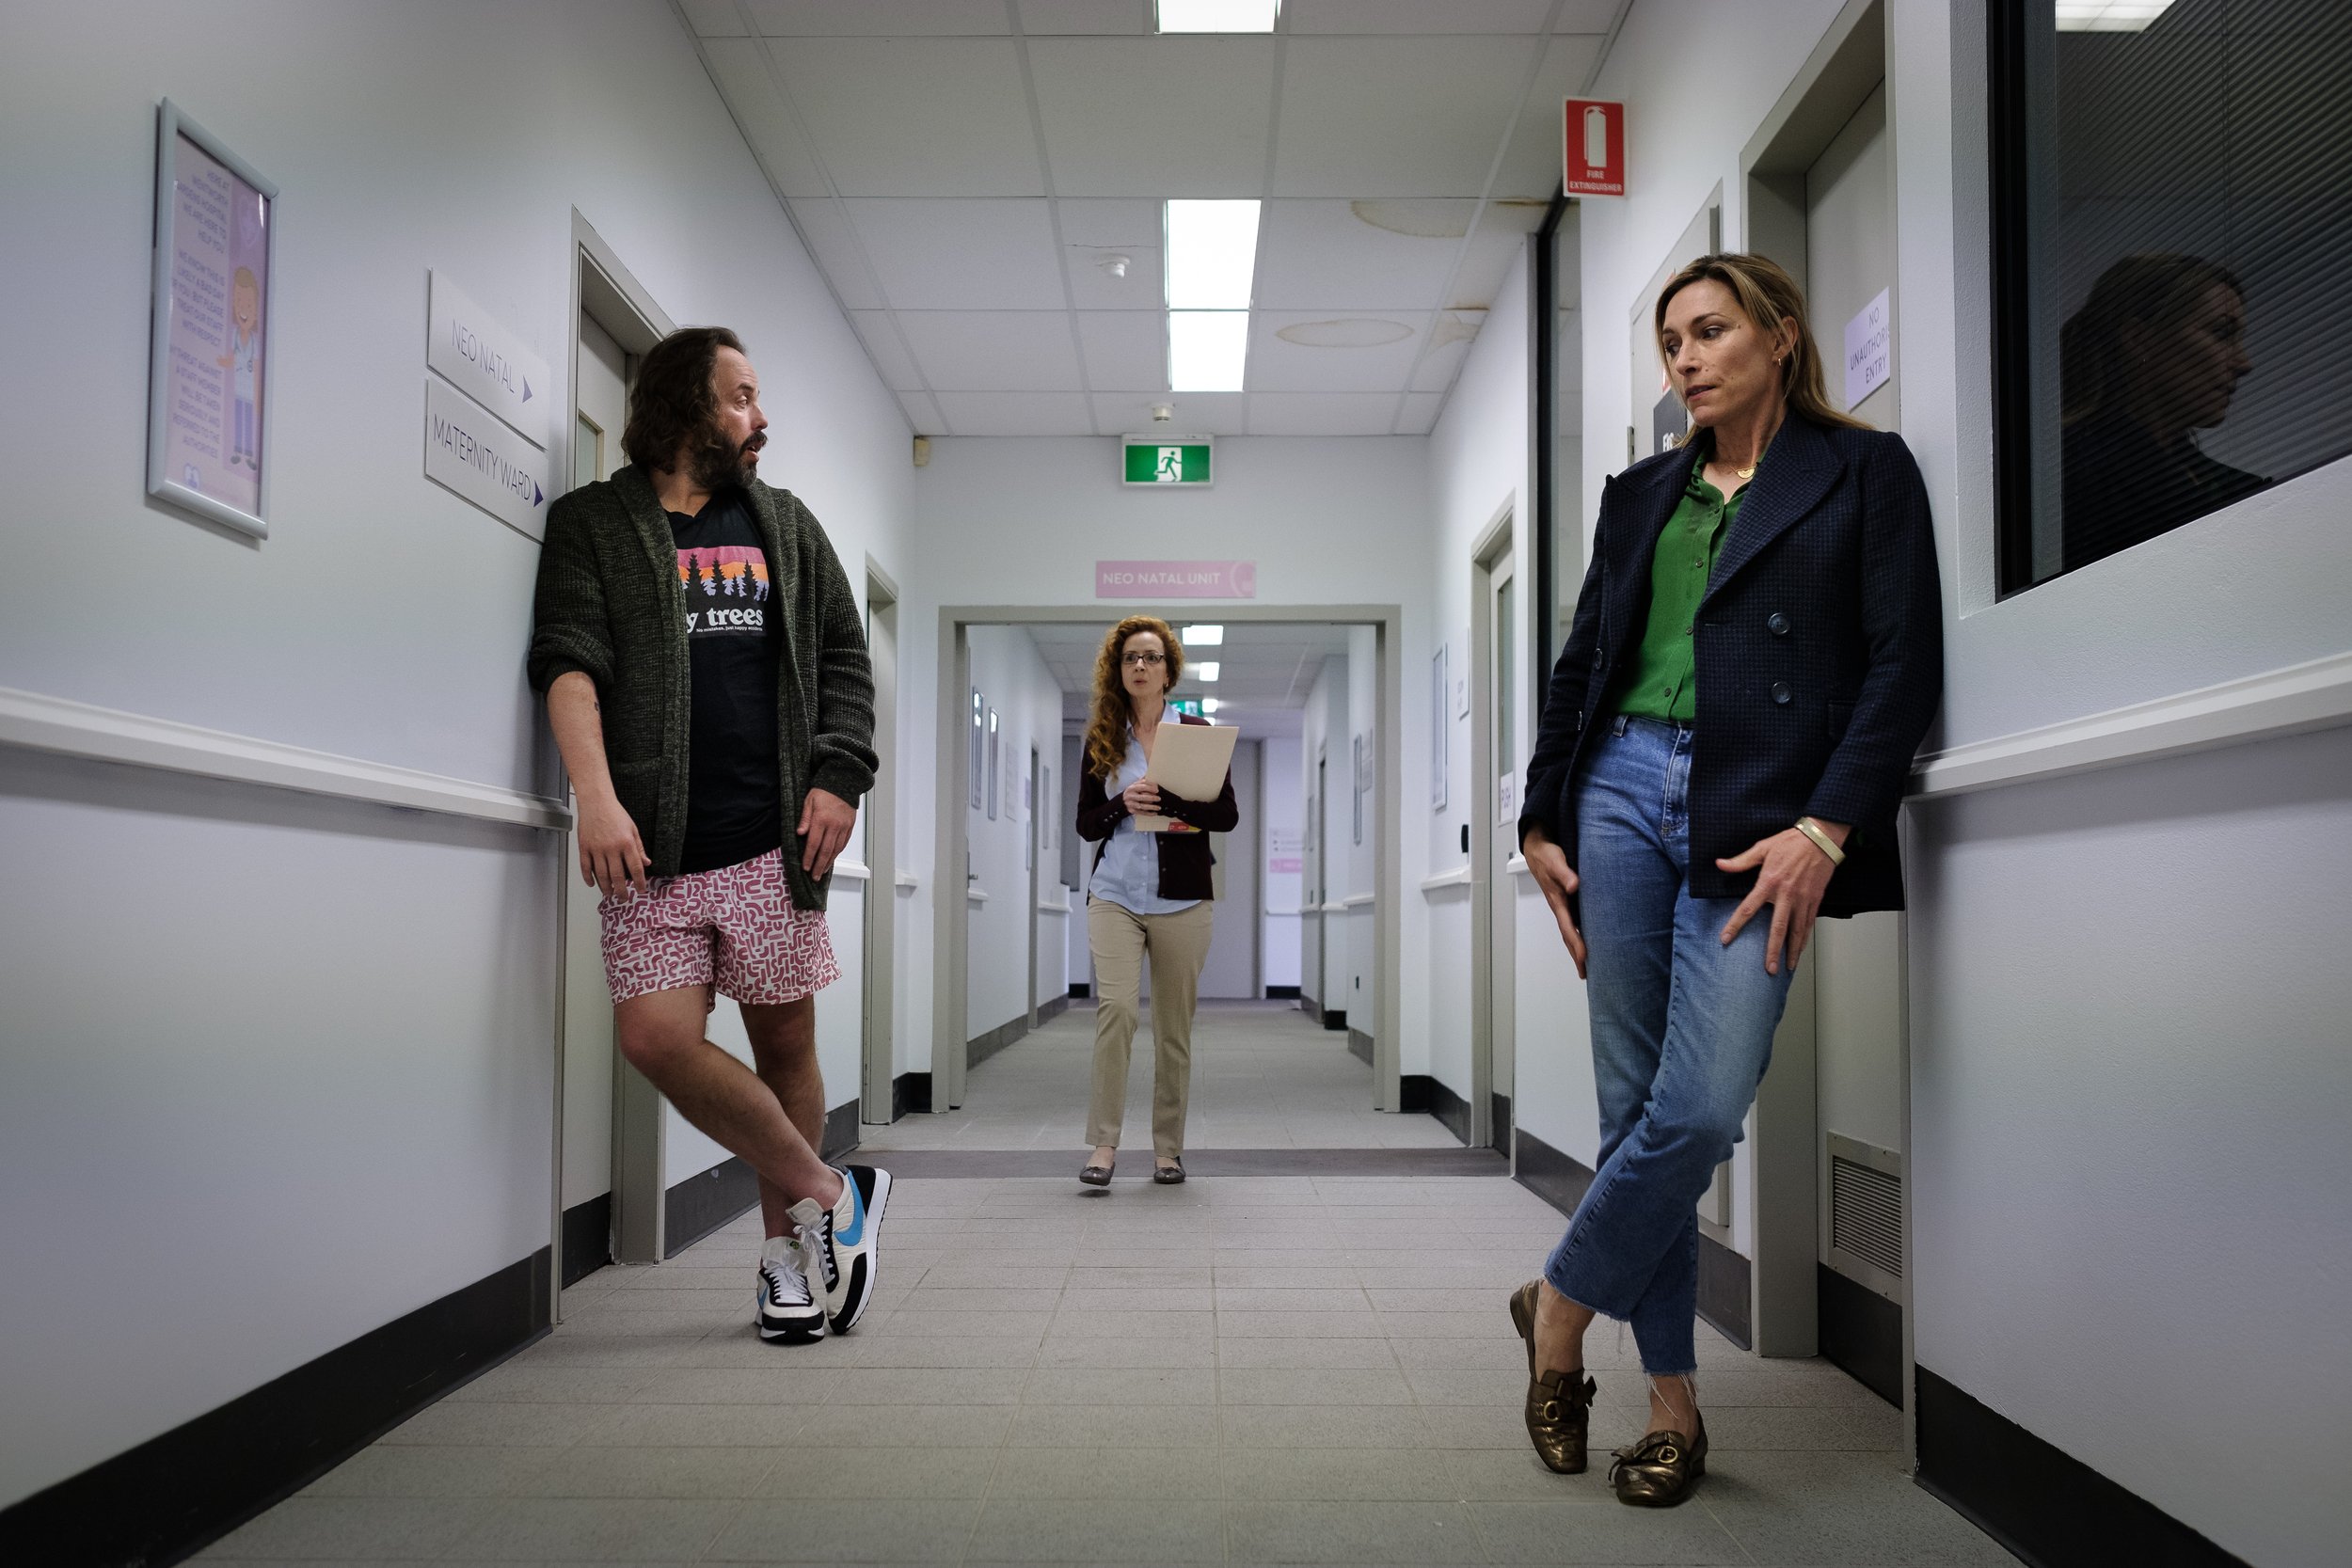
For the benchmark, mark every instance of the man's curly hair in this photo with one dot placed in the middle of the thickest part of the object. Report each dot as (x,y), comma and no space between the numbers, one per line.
(674,404)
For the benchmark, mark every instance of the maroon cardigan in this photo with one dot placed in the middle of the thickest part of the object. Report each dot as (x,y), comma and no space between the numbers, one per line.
(1184,858)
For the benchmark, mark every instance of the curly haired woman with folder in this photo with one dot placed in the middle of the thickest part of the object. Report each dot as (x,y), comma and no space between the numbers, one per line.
(1149,892)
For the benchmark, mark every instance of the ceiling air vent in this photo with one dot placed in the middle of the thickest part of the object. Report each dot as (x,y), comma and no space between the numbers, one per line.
(1866,1215)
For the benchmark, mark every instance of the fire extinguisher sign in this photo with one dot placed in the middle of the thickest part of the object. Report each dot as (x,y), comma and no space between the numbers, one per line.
(1593,158)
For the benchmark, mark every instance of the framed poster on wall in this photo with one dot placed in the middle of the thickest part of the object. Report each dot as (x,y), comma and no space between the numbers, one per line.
(208,382)
(1361,758)
(993,765)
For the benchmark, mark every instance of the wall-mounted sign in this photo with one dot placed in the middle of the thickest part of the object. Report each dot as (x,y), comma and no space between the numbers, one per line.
(1178,460)
(1175,580)
(208,366)
(1869,349)
(1593,155)
(488,362)
(474,456)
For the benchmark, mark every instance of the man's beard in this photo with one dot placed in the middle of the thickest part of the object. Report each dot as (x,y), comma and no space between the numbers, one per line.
(718,464)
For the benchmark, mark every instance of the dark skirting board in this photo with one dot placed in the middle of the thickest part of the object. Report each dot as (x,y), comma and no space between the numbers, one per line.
(176,1492)
(2037,1500)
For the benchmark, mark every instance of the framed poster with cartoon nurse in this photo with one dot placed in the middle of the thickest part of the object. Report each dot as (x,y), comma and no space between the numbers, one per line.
(208,384)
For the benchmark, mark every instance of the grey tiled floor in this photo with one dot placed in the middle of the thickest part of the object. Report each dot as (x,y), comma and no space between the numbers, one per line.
(1262,1077)
(1285,1369)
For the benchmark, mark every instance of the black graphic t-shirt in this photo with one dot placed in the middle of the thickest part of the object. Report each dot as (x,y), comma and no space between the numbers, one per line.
(734,809)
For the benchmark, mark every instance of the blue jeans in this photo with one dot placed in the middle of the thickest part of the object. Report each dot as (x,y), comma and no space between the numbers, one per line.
(1682,1028)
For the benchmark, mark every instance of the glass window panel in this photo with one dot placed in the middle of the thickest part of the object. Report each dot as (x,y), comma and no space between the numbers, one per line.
(2174,190)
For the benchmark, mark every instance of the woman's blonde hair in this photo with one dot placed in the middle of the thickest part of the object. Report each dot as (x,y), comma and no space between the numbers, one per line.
(1107,731)
(1767,296)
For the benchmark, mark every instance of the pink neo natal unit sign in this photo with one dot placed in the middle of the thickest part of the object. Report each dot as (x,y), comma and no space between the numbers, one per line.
(1175,580)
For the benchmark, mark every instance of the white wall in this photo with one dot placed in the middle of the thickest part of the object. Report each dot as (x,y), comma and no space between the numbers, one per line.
(1022,521)
(314,1045)
(1014,681)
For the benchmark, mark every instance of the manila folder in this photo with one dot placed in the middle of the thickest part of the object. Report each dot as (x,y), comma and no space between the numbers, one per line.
(1190,762)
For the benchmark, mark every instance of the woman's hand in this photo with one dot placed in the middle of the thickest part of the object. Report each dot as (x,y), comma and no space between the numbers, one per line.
(1794,876)
(1141,798)
(1553,874)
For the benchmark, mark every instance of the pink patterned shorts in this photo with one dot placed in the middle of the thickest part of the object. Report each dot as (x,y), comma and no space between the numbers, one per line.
(734,929)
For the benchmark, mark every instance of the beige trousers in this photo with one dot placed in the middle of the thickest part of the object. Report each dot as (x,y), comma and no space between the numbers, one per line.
(1178,944)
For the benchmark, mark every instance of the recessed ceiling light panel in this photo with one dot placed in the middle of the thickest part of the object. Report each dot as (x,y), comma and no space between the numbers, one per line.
(1207,673)
(1207,350)
(1218,16)
(1203,637)
(2109,16)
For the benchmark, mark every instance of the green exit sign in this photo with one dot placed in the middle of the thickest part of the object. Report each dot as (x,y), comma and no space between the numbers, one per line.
(1168,460)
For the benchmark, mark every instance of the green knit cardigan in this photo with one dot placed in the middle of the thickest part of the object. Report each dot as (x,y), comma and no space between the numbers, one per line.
(610,604)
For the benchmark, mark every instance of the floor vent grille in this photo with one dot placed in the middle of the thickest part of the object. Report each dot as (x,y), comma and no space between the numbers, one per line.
(1865,1207)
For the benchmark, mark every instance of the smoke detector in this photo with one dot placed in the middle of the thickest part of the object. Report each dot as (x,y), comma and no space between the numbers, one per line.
(1115,265)
(1162,412)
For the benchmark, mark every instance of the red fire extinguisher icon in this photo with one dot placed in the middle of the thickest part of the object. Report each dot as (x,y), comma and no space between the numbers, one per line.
(1596,140)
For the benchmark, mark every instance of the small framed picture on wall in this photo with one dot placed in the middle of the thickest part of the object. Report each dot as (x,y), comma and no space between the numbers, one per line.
(993,765)
(977,758)
(1441,726)
(208,378)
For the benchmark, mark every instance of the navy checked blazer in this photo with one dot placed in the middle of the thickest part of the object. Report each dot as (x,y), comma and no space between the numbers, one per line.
(1818,649)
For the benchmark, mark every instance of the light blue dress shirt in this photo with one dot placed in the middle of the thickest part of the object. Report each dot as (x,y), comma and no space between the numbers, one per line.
(1129,875)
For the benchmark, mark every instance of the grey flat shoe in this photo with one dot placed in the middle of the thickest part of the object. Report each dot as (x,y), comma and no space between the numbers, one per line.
(1168,1176)
(1096,1176)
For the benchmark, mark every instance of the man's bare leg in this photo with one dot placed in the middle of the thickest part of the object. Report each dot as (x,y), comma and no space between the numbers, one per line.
(783,1048)
(660,1035)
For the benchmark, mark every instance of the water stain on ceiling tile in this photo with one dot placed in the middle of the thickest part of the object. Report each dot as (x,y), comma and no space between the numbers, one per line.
(1350,332)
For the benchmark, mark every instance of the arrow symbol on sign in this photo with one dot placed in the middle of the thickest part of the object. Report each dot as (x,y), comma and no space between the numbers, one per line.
(526,389)
(537,495)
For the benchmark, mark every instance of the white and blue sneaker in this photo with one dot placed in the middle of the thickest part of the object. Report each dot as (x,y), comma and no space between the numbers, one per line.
(840,1243)
(785,1310)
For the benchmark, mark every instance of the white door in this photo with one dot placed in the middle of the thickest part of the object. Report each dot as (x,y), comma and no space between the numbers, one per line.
(1506,724)
(602,409)
(1858,978)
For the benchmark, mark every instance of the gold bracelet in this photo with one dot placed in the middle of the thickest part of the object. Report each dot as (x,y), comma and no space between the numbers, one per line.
(1822,840)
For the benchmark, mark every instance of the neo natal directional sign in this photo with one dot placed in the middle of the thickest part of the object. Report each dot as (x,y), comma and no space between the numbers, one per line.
(474,456)
(488,361)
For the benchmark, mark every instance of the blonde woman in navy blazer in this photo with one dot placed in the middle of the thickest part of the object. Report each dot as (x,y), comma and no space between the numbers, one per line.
(1755,656)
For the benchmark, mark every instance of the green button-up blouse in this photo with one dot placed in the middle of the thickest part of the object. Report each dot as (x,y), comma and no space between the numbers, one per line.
(1661,684)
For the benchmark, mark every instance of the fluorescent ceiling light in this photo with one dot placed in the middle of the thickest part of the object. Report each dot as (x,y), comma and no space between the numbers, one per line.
(1203,637)
(1205,672)
(1210,704)
(1218,16)
(1212,252)
(1206,350)
(2109,16)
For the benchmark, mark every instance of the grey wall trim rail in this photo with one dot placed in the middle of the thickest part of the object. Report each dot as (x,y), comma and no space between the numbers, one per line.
(2311,696)
(39,724)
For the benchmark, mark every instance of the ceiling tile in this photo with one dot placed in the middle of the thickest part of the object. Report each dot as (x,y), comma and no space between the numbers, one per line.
(1018,414)
(915,116)
(887,350)
(1092,288)
(1502,231)
(922,413)
(832,245)
(1420,415)
(993,351)
(877,18)
(1124,348)
(1155,117)
(739,66)
(1084,16)
(1358,255)
(1321,412)
(1282,365)
(1395,117)
(1586,16)
(713,18)
(1416,16)
(1196,413)
(1434,371)
(962,255)
(1531,166)
(1120,223)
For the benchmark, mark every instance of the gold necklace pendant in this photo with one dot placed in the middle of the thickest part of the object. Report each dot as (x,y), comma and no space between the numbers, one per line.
(1748,472)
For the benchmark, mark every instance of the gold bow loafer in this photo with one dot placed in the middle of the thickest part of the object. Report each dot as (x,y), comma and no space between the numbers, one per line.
(1559,1403)
(1659,1471)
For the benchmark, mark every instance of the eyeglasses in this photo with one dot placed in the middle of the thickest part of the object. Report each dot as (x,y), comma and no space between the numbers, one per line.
(1148,661)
